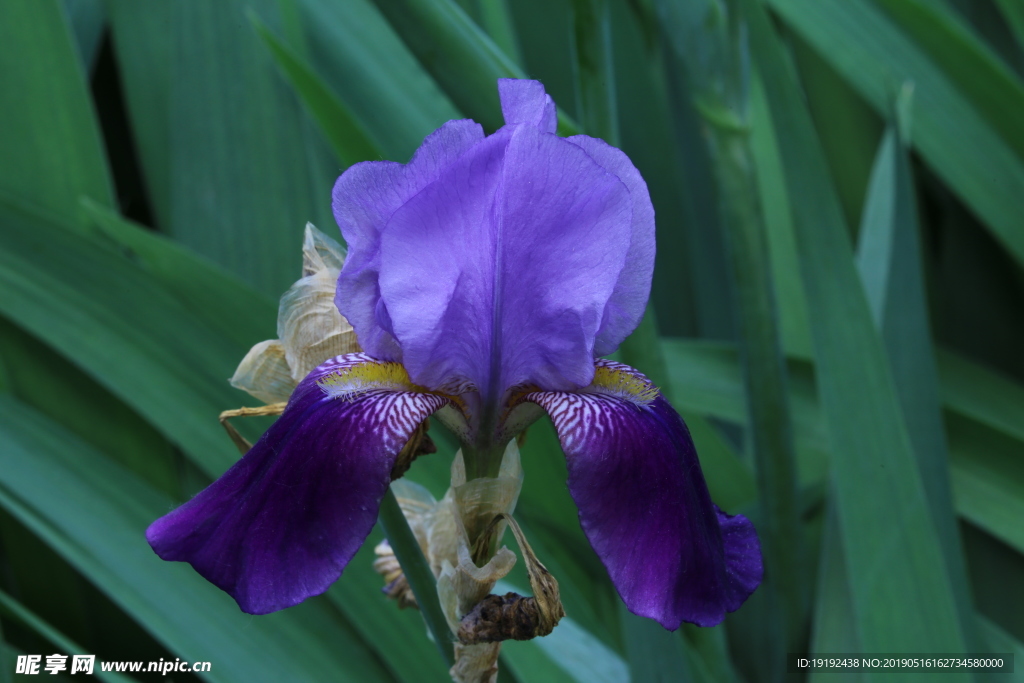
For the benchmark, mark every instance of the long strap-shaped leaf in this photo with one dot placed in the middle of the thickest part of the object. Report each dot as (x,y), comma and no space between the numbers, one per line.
(231,163)
(50,139)
(343,130)
(361,59)
(902,597)
(870,51)
(987,82)
(108,316)
(1013,10)
(14,609)
(459,55)
(984,445)
(889,260)
(94,513)
(709,41)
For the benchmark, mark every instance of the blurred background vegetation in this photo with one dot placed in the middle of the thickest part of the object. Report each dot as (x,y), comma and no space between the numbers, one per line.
(839,302)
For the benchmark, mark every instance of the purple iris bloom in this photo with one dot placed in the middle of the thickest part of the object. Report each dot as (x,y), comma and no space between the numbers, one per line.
(483,279)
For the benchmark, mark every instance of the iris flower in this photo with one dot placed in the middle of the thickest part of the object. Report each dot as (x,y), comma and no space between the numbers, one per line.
(485,280)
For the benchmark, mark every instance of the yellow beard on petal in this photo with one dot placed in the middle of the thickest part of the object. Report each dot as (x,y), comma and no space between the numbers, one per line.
(358,379)
(623,384)
(352,382)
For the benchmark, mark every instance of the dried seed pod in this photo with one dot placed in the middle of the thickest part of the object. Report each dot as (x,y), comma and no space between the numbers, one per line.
(479,510)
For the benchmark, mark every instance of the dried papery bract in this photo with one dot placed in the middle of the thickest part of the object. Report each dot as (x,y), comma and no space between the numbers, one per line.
(265,374)
(396,586)
(469,509)
(308,322)
(320,252)
(460,587)
(458,535)
(309,327)
(492,618)
(310,331)
(441,526)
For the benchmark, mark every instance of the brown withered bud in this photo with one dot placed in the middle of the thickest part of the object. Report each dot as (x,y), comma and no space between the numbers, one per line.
(501,617)
(419,443)
(512,616)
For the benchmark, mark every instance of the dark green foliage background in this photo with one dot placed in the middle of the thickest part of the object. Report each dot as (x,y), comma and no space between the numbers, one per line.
(158,161)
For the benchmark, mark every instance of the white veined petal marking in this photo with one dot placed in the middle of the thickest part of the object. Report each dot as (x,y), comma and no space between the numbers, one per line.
(583,416)
(396,414)
(597,411)
(398,405)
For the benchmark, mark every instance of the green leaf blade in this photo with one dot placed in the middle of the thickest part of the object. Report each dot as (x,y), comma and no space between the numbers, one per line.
(346,135)
(50,138)
(882,510)
(867,49)
(890,264)
(95,514)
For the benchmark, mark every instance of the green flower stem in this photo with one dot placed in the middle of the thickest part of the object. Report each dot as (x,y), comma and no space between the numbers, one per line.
(417,572)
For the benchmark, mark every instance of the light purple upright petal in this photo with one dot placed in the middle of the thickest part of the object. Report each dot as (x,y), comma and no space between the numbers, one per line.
(499,272)
(364,198)
(525,102)
(281,524)
(643,503)
(626,306)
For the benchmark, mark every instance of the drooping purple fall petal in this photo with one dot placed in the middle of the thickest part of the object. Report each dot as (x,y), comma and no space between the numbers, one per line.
(743,562)
(643,503)
(281,524)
